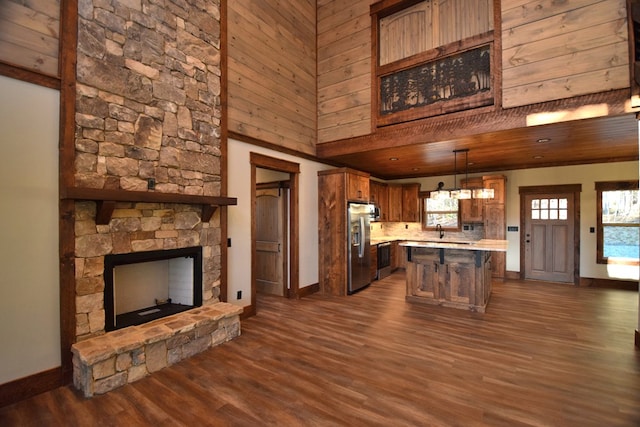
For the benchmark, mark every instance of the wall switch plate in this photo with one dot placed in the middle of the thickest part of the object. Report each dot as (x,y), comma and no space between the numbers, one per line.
(512,228)
(239,295)
(592,229)
(229,242)
(151,183)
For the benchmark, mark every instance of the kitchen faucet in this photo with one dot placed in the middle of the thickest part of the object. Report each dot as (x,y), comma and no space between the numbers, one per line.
(440,230)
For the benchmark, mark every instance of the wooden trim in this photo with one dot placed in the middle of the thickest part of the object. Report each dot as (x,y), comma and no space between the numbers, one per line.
(280,149)
(23,388)
(224,145)
(512,275)
(308,290)
(106,199)
(389,7)
(539,189)
(637,339)
(248,311)
(575,189)
(254,228)
(272,163)
(625,285)
(30,76)
(66,160)
(464,124)
(496,75)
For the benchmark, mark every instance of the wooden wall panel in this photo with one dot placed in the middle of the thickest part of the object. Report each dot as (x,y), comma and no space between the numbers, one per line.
(344,69)
(560,50)
(29,34)
(272,72)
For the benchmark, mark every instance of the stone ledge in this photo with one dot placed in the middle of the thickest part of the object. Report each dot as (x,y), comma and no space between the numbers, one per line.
(109,361)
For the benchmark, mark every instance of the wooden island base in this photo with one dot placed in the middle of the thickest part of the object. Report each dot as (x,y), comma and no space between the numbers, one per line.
(458,278)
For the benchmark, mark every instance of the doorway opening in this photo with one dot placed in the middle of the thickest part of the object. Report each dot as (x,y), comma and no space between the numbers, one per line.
(550,239)
(274,227)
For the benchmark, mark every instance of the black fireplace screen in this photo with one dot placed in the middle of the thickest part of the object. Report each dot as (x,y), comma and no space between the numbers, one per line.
(144,286)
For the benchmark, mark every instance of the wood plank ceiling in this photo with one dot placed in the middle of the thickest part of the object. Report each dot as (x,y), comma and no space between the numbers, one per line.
(428,151)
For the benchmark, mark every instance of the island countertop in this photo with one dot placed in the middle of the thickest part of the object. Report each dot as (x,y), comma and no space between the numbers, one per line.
(471,245)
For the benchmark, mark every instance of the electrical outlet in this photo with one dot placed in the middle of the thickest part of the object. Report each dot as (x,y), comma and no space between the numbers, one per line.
(239,295)
(151,183)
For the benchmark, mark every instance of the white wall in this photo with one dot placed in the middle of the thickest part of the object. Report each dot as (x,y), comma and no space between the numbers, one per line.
(29,260)
(586,175)
(239,230)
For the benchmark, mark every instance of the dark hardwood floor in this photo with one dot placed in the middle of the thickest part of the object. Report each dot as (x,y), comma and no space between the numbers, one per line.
(542,355)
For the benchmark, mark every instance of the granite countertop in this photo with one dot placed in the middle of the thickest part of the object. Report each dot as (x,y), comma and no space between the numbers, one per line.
(470,245)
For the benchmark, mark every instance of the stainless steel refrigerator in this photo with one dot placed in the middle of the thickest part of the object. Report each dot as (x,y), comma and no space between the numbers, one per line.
(359,259)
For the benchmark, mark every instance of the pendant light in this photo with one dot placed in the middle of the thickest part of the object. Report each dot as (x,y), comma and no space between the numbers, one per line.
(458,192)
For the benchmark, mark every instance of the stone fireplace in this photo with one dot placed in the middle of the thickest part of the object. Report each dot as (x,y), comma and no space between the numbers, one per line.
(147,178)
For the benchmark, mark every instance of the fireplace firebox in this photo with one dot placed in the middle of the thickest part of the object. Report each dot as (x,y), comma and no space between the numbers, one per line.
(145,286)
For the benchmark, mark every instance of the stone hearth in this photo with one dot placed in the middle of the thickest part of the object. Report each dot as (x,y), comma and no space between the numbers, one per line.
(109,361)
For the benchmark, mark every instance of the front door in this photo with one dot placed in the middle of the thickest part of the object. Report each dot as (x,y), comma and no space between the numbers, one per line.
(549,237)
(270,241)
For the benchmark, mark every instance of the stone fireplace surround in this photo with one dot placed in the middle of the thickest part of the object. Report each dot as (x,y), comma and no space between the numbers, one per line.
(146,174)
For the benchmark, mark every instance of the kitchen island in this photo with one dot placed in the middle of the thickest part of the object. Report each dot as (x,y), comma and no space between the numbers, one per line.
(451,273)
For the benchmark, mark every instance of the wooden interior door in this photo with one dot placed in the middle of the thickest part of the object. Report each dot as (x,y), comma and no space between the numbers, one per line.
(549,237)
(270,241)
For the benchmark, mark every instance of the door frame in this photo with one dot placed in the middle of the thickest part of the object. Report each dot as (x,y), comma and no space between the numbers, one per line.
(293,169)
(575,189)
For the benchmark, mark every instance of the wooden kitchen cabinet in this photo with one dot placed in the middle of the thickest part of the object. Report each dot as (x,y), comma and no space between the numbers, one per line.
(357,186)
(379,196)
(395,202)
(449,277)
(374,263)
(336,187)
(410,203)
(495,220)
(393,256)
(472,210)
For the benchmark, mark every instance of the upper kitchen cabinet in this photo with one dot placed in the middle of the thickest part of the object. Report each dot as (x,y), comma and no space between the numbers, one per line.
(472,210)
(404,202)
(410,203)
(395,202)
(379,196)
(357,186)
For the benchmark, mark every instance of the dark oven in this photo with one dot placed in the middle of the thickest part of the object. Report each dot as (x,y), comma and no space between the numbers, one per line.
(384,260)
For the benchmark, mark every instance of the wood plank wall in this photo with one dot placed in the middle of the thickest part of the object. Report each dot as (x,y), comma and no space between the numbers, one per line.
(272,72)
(551,51)
(29,34)
(557,50)
(344,69)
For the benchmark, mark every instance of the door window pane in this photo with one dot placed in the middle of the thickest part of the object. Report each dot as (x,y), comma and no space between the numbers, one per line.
(549,209)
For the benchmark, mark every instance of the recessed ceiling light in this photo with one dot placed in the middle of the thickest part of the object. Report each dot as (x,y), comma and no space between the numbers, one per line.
(541,140)
(393,159)
(538,157)
(415,169)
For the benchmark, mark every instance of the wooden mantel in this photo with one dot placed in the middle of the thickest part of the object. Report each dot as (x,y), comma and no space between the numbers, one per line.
(106,200)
